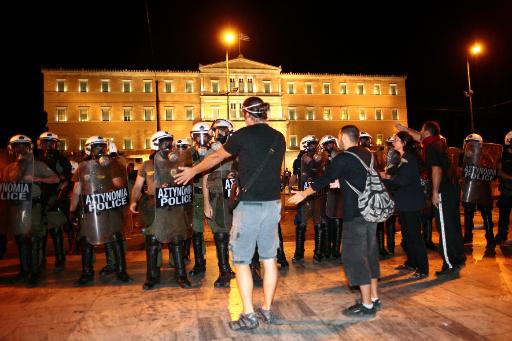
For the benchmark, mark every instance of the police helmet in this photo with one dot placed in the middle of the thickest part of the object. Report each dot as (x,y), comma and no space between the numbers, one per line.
(200,128)
(390,139)
(182,144)
(49,136)
(20,138)
(328,138)
(473,137)
(307,140)
(508,138)
(93,140)
(156,137)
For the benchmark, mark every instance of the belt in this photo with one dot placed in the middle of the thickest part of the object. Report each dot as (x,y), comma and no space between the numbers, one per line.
(198,190)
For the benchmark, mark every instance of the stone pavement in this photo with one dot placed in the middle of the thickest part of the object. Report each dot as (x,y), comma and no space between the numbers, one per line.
(309,301)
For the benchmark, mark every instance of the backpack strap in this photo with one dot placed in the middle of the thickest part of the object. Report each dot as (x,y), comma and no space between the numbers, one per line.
(364,165)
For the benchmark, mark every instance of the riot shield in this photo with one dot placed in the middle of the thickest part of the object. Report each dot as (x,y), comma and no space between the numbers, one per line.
(173,202)
(311,168)
(480,165)
(16,174)
(454,160)
(104,198)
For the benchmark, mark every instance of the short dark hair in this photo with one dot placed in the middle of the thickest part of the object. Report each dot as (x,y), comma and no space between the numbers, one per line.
(432,127)
(352,132)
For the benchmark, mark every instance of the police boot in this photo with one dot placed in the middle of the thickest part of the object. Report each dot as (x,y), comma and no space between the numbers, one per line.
(153,270)
(502,234)
(200,262)
(390,234)
(255,269)
(3,245)
(120,259)
(380,240)
(110,268)
(468,224)
(178,255)
(24,254)
(58,248)
(326,241)
(300,238)
(188,243)
(488,225)
(87,275)
(281,256)
(319,242)
(44,251)
(35,263)
(221,244)
(336,242)
(427,234)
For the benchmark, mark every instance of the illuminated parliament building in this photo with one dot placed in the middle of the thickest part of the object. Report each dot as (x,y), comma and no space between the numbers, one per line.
(122,104)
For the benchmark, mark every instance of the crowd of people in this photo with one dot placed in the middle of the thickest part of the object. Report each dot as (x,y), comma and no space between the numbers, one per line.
(353,193)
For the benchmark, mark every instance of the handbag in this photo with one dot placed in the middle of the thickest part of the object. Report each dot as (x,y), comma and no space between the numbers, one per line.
(237,190)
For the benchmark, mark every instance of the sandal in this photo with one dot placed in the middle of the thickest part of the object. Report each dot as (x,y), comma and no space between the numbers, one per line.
(245,322)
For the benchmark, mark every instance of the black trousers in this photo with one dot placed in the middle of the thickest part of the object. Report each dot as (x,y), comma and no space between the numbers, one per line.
(416,250)
(451,244)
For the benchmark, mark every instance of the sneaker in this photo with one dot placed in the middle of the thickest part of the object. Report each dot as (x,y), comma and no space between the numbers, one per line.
(418,275)
(359,310)
(447,271)
(405,267)
(377,304)
(266,315)
(245,322)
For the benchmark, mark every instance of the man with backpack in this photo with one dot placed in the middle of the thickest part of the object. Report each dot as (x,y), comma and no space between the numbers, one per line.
(359,243)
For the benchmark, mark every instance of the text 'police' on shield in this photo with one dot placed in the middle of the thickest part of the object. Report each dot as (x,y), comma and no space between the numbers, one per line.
(106,201)
(15,191)
(173,196)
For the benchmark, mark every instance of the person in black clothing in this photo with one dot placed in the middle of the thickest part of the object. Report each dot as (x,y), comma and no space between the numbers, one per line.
(445,196)
(409,199)
(505,200)
(359,243)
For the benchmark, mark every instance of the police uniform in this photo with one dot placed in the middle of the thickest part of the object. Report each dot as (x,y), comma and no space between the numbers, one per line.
(505,200)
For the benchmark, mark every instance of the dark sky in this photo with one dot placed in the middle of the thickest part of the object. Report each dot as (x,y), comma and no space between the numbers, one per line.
(428,43)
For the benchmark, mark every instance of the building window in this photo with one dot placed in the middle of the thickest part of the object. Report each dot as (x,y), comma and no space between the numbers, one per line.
(83,85)
(379,140)
(292,114)
(344,114)
(147,143)
(291,88)
(127,114)
(327,114)
(327,88)
(241,85)
(310,114)
(393,90)
(309,88)
(189,113)
(148,86)
(394,114)
(267,87)
(250,85)
(343,88)
(215,86)
(61,114)
(148,114)
(360,89)
(82,144)
(362,115)
(293,141)
(168,86)
(169,113)
(127,143)
(105,114)
(378,114)
(105,85)
(83,114)
(215,112)
(231,84)
(376,89)
(61,85)
(62,144)
(233,112)
(189,87)
(127,86)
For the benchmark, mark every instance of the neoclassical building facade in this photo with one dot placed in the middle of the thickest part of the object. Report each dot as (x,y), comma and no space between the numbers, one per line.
(124,104)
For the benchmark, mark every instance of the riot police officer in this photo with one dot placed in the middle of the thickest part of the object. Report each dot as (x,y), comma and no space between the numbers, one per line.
(21,204)
(101,185)
(171,206)
(217,184)
(312,167)
(505,199)
(201,138)
(55,196)
(479,167)
(334,204)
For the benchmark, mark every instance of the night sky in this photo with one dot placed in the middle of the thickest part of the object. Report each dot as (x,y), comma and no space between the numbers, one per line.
(429,44)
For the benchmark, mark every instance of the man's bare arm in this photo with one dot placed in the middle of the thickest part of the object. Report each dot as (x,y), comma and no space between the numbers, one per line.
(437,175)
(414,133)
(210,161)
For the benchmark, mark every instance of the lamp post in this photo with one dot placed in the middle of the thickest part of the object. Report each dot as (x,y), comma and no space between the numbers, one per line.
(228,37)
(474,50)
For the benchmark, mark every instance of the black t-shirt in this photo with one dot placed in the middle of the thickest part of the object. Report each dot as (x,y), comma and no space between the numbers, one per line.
(347,167)
(436,154)
(252,144)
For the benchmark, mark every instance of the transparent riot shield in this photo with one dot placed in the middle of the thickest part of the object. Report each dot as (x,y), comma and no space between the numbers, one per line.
(16,174)
(173,202)
(120,172)
(311,168)
(104,199)
(480,165)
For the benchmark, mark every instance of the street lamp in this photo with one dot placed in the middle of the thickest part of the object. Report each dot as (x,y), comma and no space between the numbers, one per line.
(229,38)
(473,50)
